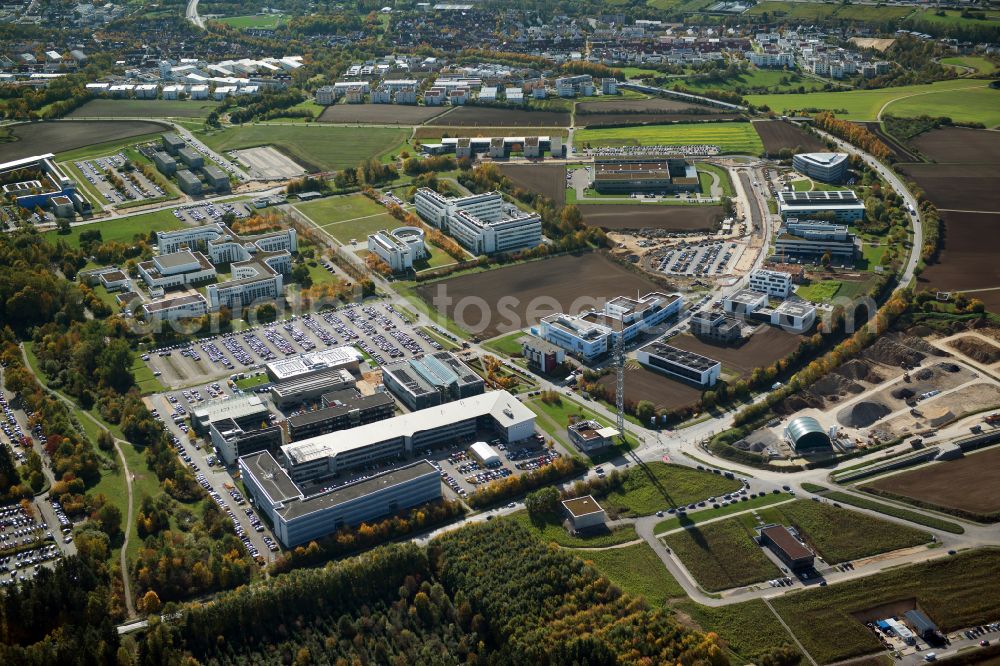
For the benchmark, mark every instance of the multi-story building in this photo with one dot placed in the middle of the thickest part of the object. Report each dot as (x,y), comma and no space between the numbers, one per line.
(216,178)
(313,363)
(826,167)
(166,164)
(223,245)
(793,316)
(644,174)
(844,205)
(326,95)
(571,86)
(177,269)
(771,59)
(254,280)
(430,380)
(482,223)
(35,182)
(341,410)
(405,435)
(246,409)
(180,307)
(306,388)
(713,324)
(188,182)
(541,355)
(772,283)
(805,239)
(399,248)
(240,437)
(687,366)
(591,436)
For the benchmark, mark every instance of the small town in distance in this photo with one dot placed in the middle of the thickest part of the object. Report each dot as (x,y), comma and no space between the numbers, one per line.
(533,332)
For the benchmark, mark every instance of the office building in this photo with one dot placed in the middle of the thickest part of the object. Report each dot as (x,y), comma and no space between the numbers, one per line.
(792,552)
(247,408)
(744,301)
(825,167)
(715,325)
(299,518)
(792,316)
(772,283)
(180,307)
(805,240)
(306,388)
(38,182)
(399,248)
(305,365)
(255,280)
(165,164)
(172,143)
(844,205)
(223,245)
(188,182)
(481,223)
(432,379)
(177,269)
(687,366)
(591,436)
(541,355)
(496,412)
(649,173)
(234,438)
(342,410)
(216,178)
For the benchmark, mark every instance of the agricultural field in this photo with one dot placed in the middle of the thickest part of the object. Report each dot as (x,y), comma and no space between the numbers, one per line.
(797,11)
(317,147)
(549,180)
(771,80)
(868,104)
(644,111)
(569,283)
(617,217)
(958,186)
(965,260)
(721,555)
(379,114)
(978,64)
(976,104)
(29,139)
(145,108)
(656,486)
(778,135)
(964,487)
(959,144)
(120,230)
(266,22)
(749,629)
(764,347)
(955,592)
(638,571)
(664,392)
(551,530)
(476,116)
(433,133)
(730,137)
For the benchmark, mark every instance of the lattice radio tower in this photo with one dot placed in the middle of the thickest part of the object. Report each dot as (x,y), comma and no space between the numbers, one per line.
(619,354)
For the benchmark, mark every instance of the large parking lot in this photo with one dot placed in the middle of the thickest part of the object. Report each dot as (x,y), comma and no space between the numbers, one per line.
(463,474)
(377,329)
(211,212)
(115,184)
(704,260)
(29,542)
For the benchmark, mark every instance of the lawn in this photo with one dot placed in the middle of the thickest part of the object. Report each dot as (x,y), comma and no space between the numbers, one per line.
(871,255)
(252,382)
(775,80)
(722,555)
(731,137)
(145,108)
(636,72)
(638,571)
(554,418)
(144,378)
(955,592)
(315,146)
(550,529)
(898,512)
(980,64)
(436,258)
(748,629)
(970,101)
(144,484)
(359,229)
(725,182)
(260,22)
(338,209)
(954,18)
(106,148)
(121,230)
(819,292)
(656,486)
(837,534)
(506,344)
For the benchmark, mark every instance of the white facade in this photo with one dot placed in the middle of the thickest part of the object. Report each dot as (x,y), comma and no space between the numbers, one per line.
(684,365)
(772,283)
(176,269)
(827,167)
(482,223)
(399,248)
(182,307)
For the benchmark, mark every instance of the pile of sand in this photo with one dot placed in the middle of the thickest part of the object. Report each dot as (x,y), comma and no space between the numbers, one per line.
(862,414)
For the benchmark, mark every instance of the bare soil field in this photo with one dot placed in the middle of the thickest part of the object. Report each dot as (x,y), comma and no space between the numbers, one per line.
(637,106)
(432,132)
(645,384)
(549,180)
(507,299)
(779,134)
(959,144)
(976,349)
(379,114)
(958,186)
(59,136)
(967,485)
(764,347)
(968,257)
(943,409)
(899,151)
(472,116)
(616,217)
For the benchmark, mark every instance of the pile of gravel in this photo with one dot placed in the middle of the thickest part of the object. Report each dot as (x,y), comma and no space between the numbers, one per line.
(903,393)
(862,414)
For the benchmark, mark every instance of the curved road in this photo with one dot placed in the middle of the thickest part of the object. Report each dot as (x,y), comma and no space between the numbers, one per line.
(191,14)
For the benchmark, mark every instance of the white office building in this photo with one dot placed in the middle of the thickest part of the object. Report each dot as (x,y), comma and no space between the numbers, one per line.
(844,204)
(687,366)
(772,283)
(482,223)
(399,248)
(176,269)
(826,167)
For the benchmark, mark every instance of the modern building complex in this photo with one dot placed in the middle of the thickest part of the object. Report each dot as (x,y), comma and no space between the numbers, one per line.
(809,240)
(591,334)
(298,518)
(257,279)
(481,223)
(640,173)
(826,167)
(805,433)
(844,205)
(591,436)
(304,365)
(430,380)
(772,283)
(792,316)
(341,410)
(399,248)
(687,366)
(495,412)
(178,307)
(715,325)
(310,387)
(245,408)
(498,147)
(223,245)
(240,437)
(541,355)
(792,552)
(36,182)
(176,269)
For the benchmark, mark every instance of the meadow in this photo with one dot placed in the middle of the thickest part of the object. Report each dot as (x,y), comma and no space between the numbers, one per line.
(721,555)
(337,209)
(731,137)
(121,230)
(637,570)
(748,629)
(656,486)
(816,12)
(257,21)
(549,528)
(979,64)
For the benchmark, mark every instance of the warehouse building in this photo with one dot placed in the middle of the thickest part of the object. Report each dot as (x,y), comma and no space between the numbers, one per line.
(341,410)
(298,518)
(302,389)
(234,438)
(687,366)
(481,223)
(313,363)
(585,513)
(843,204)
(496,412)
(810,240)
(805,433)
(786,547)
(644,173)
(432,379)
(826,167)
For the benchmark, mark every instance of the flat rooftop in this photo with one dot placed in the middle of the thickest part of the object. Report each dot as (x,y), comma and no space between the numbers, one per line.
(794,309)
(168,303)
(818,197)
(357,402)
(175,259)
(746,296)
(287,368)
(783,539)
(680,356)
(582,506)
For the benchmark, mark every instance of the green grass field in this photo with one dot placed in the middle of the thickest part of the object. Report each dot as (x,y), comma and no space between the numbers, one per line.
(338,209)
(506,344)
(898,512)
(748,629)
(260,22)
(144,378)
(252,382)
(550,529)
(121,230)
(819,292)
(971,101)
(955,592)
(554,418)
(637,570)
(105,148)
(358,230)
(145,108)
(978,64)
(953,17)
(657,486)
(731,137)
(317,147)
(724,180)
(709,514)
(722,555)
(774,80)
